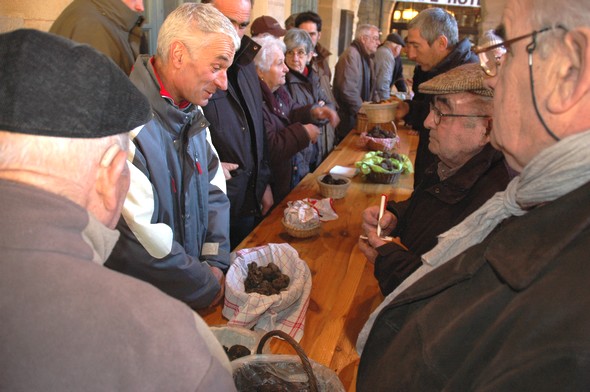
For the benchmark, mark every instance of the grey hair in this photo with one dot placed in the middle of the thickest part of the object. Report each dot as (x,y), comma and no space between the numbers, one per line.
(269,45)
(364,29)
(434,22)
(569,14)
(74,159)
(296,37)
(188,23)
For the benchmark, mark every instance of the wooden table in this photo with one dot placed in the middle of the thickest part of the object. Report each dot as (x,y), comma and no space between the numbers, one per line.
(344,291)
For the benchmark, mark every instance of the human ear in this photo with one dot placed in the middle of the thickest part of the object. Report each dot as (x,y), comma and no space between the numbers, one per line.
(572,82)
(112,177)
(177,53)
(442,42)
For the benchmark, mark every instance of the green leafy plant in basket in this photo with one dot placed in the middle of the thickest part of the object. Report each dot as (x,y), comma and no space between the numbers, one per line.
(386,163)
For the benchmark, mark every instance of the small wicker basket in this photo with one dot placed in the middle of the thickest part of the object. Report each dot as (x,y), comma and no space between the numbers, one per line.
(384,178)
(331,190)
(301,233)
(380,112)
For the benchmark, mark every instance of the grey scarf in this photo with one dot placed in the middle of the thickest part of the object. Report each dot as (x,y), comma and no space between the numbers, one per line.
(555,171)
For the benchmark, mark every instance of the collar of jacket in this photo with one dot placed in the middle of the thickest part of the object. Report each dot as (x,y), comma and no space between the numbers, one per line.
(119,13)
(173,118)
(359,46)
(248,50)
(321,52)
(276,100)
(519,255)
(297,77)
(461,54)
(456,187)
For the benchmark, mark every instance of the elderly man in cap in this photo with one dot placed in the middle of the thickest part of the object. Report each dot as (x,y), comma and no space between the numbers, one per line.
(175,224)
(467,172)
(110,26)
(433,43)
(389,70)
(502,302)
(69,323)
(267,25)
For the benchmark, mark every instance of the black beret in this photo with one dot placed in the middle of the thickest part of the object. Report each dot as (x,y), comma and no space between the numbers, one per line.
(396,39)
(52,86)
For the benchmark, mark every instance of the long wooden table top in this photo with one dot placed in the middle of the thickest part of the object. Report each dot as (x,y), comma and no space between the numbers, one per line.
(344,290)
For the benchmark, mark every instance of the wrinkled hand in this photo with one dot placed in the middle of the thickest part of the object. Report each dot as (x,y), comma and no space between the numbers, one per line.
(326,113)
(221,280)
(227,168)
(267,200)
(371,217)
(313,132)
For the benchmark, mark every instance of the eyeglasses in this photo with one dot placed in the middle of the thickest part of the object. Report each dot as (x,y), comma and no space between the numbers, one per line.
(299,53)
(490,65)
(438,115)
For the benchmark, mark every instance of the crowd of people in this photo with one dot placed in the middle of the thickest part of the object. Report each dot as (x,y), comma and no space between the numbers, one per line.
(127,180)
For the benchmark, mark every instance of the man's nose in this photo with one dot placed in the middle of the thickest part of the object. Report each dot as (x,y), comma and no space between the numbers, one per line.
(221,80)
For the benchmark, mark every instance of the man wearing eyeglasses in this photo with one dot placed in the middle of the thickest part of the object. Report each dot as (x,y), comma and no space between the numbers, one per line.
(354,77)
(505,306)
(433,43)
(466,173)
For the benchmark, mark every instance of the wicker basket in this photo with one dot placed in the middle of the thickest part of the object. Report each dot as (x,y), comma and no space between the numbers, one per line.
(362,122)
(380,112)
(301,233)
(385,145)
(333,191)
(383,178)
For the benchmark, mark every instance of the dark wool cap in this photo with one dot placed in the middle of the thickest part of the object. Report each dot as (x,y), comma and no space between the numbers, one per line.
(396,39)
(52,86)
(464,78)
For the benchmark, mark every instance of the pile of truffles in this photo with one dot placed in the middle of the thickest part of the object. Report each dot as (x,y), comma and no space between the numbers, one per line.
(379,133)
(236,351)
(328,179)
(267,280)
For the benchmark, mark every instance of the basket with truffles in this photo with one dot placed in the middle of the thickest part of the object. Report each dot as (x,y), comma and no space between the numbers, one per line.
(265,280)
(380,139)
(384,168)
(333,185)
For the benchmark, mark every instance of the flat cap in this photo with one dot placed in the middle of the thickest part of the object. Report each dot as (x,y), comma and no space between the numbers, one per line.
(267,24)
(396,39)
(52,86)
(464,78)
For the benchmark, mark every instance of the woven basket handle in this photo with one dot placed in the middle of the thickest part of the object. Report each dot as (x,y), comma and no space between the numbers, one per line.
(313,383)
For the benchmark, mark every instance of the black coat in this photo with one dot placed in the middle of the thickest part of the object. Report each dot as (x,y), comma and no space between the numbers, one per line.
(434,207)
(508,314)
(237,130)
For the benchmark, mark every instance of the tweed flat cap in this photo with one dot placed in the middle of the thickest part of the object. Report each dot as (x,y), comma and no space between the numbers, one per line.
(464,78)
(52,86)
(396,39)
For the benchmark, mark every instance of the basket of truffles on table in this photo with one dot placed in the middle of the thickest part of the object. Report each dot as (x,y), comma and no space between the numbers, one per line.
(384,168)
(301,219)
(267,288)
(378,138)
(333,185)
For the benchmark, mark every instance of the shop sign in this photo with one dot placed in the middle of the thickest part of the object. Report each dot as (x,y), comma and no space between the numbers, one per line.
(456,3)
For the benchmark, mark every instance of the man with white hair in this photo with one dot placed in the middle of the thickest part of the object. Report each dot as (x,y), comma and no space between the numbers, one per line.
(501,303)
(354,77)
(68,323)
(175,223)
